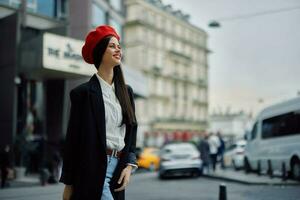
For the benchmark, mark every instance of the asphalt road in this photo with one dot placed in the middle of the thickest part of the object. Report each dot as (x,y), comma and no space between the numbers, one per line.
(146,186)
(149,187)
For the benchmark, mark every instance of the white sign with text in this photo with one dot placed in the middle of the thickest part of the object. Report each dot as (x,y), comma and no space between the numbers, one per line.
(64,54)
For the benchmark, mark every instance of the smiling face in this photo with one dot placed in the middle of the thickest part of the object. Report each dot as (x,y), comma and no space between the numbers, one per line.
(113,53)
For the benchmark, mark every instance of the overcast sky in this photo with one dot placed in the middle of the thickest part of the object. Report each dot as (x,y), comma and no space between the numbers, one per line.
(252,59)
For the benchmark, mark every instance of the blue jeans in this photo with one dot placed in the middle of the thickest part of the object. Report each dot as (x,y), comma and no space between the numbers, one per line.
(111,166)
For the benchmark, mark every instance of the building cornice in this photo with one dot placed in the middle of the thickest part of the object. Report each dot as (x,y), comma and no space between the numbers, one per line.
(139,22)
(178,124)
(167,15)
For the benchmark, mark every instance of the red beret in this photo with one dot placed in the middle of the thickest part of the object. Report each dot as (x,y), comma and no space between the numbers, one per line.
(93,38)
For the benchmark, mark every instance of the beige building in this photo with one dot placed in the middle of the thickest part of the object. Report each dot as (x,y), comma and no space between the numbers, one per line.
(172,54)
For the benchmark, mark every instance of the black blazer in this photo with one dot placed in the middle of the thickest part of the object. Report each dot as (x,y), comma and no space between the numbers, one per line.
(85,160)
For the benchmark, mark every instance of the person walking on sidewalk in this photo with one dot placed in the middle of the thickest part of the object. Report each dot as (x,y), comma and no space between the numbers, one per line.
(214,144)
(221,150)
(203,148)
(99,154)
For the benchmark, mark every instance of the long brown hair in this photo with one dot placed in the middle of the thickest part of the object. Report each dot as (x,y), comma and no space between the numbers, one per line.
(118,79)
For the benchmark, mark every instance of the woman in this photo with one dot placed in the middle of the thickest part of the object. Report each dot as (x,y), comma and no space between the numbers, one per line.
(99,153)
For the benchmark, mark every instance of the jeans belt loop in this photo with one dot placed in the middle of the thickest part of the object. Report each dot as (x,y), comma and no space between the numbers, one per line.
(114,153)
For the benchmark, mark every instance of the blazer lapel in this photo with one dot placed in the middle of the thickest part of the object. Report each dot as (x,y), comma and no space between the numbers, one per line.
(98,108)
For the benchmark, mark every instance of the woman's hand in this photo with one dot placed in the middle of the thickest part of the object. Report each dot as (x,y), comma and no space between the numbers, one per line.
(124,178)
(67,192)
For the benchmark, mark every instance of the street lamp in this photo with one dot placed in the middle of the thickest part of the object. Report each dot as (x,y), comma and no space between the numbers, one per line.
(214,24)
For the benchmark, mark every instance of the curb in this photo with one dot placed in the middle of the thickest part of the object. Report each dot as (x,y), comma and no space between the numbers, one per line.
(283,183)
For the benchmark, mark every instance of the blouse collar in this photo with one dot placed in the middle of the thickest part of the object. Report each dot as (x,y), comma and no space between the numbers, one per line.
(106,87)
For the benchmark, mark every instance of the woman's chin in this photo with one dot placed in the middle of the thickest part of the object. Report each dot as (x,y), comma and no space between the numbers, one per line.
(117,62)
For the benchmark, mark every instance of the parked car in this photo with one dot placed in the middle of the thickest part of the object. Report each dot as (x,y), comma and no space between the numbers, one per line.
(235,154)
(179,159)
(149,159)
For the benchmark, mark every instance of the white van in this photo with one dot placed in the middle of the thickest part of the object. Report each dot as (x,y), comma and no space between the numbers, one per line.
(274,142)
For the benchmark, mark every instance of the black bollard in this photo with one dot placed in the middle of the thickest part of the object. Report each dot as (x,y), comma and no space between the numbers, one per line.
(222,192)
(283,172)
(258,168)
(270,169)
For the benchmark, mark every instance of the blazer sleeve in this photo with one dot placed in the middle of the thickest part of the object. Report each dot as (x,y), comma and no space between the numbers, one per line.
(71,141)
(132,147)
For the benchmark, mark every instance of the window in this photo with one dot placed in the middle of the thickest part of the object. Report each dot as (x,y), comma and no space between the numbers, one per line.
(98,15)
(116,4)
(61,9)
(185,92)
(168,26)
(50,8)
(163,23)
(17,4)
(32,6)
(43,7)
(282,125)
(116,25)
(158,21)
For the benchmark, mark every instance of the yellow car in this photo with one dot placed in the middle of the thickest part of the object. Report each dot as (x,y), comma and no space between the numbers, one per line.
(149,159)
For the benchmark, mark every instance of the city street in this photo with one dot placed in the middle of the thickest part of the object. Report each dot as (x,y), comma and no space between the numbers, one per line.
(94,89)
(146,186)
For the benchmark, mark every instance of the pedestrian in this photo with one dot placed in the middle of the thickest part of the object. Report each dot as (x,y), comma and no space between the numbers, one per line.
(4,165)
(221,150)
(54,167)
(214,144)
(99,153)
(203,148)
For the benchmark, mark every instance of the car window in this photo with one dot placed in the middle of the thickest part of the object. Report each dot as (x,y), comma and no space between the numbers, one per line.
(179,148)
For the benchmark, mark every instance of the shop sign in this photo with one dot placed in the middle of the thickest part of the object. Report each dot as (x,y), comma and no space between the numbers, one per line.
(64,54)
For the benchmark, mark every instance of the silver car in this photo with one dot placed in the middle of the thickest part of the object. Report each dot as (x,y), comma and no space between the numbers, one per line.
(234,155)
(179,159)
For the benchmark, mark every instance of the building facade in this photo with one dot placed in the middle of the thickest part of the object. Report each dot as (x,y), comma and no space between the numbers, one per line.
(88,14)
(33,107)
(172,54)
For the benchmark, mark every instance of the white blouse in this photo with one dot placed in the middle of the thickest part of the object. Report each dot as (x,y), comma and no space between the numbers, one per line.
(113,116)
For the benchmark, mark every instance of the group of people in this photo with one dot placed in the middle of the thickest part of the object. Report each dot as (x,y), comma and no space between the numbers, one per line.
(211,148)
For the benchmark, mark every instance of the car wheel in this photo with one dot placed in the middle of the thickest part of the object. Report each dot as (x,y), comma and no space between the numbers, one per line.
(162,176)
(200,173)
(270,168)
(296,169)
(195,174)
(247,166)
(234,166)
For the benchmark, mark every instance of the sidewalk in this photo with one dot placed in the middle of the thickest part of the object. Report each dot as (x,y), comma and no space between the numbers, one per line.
(249,179)
(26,181)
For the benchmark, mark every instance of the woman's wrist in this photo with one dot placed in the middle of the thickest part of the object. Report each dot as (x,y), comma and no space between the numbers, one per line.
(129,167)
